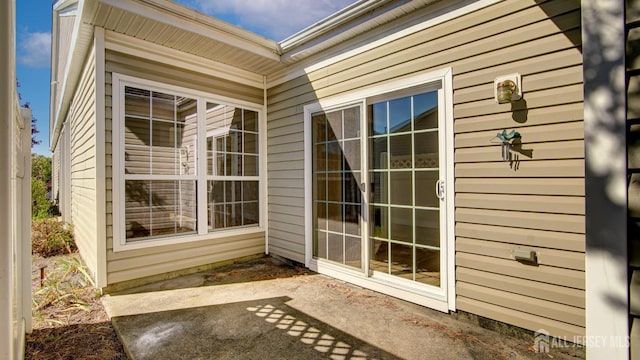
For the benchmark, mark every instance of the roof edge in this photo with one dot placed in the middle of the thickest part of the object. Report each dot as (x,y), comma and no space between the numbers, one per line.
(71,74)
(62,4)
(329,23)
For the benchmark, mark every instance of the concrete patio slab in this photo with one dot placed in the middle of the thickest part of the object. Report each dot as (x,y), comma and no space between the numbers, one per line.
(238,312)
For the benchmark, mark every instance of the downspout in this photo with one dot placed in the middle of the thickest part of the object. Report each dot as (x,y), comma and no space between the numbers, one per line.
(24,221)
(264,174)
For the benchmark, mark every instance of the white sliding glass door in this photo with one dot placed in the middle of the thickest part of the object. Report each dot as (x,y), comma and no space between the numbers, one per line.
(378,213)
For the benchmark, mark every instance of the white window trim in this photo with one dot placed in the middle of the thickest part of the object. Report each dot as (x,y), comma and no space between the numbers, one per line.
(119,81)
(442,299)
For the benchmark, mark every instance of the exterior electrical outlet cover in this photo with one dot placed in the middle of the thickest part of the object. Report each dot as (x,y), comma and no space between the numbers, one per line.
(516,78)
(525,254)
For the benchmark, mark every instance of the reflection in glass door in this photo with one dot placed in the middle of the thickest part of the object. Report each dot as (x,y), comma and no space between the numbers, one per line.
(337,175)
(404,171)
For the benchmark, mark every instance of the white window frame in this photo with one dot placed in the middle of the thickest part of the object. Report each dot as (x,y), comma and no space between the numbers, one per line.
(442,299)
(119,81)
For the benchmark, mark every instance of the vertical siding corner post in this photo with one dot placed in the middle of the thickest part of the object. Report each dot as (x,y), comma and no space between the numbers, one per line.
(100,153)
(603,41)
(7,108)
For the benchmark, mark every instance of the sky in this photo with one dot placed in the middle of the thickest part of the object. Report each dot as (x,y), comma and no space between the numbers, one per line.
(33,39)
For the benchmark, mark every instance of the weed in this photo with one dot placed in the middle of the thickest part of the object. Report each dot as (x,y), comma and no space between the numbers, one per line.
(66,285)
(70,265)
(50,237)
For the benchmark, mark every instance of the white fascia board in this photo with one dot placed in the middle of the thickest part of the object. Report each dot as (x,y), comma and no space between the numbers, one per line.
(53,77)
(191,20)
(61,5)
(149,51)
(61,8)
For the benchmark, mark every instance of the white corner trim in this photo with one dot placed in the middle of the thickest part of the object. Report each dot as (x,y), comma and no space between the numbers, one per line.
(471,6)
(447,89)
(100,156)
(150,51)
(308,185)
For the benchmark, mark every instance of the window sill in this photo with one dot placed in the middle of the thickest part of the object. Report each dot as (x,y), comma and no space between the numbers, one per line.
(173,240)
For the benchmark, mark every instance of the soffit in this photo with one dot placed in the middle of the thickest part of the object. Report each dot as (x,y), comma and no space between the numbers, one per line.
(238,47)
(258,58)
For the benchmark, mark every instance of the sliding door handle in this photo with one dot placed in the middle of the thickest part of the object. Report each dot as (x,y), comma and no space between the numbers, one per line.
(440,189)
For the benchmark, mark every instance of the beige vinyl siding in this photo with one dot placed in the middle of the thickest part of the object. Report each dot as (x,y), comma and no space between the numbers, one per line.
(540,204)
(82,125)
(133,264)
(129,65)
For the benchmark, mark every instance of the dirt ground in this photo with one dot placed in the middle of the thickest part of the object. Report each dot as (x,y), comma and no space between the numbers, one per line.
(68,323)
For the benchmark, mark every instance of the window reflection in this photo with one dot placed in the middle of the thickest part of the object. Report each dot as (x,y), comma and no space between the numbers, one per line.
(160,164)
(232,132)
(336,186)
(159,140)
(404,168)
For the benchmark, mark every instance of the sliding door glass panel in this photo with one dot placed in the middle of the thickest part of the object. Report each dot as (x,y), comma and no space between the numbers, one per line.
(337,177)
(404,169)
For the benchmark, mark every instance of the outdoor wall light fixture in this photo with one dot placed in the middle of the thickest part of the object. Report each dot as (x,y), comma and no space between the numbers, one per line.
(507,88)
